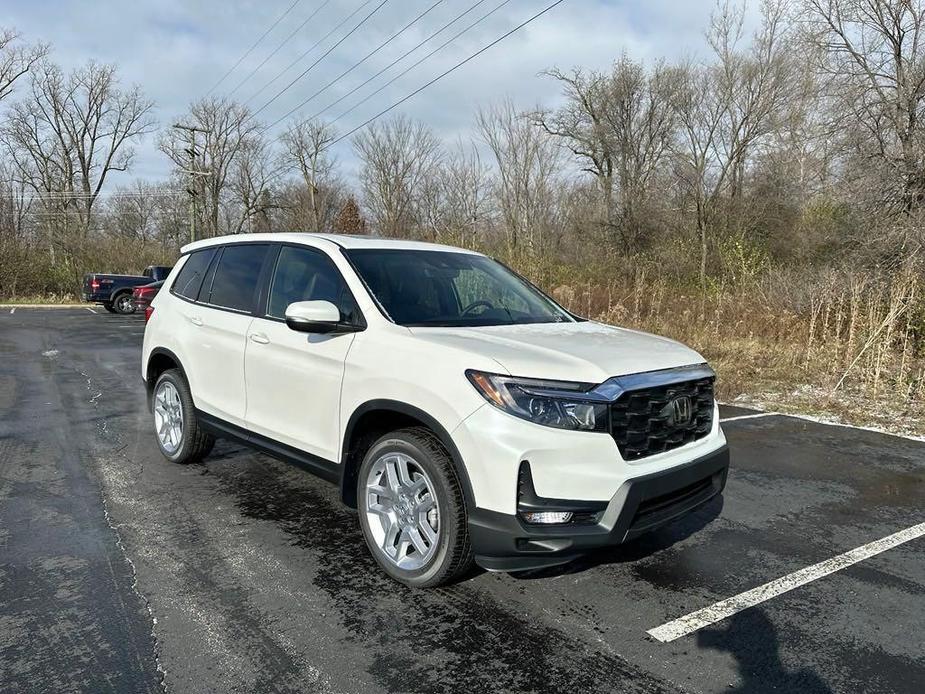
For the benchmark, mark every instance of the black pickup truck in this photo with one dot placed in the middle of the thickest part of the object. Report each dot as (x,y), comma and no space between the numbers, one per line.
(114,292)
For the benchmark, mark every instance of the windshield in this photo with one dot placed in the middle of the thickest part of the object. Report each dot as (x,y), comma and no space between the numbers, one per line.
(443,288)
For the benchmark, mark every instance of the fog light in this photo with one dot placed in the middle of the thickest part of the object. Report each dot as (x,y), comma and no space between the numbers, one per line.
(547,517)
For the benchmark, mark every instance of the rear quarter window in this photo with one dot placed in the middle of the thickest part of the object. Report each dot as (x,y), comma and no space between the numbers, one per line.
(189,280)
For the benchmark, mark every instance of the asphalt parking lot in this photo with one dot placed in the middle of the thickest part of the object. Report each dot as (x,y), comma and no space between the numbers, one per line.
(120,572)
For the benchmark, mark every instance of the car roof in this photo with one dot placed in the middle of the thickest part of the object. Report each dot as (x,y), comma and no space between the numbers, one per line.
(348,241)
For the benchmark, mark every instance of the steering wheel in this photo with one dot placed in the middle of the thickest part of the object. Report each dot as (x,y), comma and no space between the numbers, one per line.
(475,305)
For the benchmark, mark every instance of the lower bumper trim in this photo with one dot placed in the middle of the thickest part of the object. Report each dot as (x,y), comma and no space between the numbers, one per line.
(501,542)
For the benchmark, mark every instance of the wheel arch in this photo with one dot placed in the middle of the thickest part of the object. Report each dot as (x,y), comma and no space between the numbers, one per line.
(160,360)
(119,291)
(376,418)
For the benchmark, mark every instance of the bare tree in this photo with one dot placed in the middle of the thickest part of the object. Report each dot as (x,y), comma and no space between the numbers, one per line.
(15,203)
(69,134)
(582,123)
(398,157)
(528,167)
(250,200)
(306,145)
(467,188)
(619,126)
(725,108)
(137,212)
(874,54)
(101,121)
(642,122)
(229,131)
(16,59)
(44,161)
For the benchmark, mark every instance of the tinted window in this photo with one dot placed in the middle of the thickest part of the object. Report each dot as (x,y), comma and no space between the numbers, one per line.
(449,288)
(189,280)
(236,276)
(306,275)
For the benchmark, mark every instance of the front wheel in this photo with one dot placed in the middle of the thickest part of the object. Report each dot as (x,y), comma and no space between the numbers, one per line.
(176,426)
(412,510)
(123,304)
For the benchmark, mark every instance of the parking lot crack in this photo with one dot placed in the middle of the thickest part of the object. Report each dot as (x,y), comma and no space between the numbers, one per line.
(104,433)
(162,679)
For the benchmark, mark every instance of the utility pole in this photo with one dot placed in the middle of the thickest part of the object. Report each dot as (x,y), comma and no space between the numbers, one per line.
(191,151)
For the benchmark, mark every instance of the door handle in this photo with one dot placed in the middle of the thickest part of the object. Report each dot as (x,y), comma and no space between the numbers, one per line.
(260,338)
(195,320)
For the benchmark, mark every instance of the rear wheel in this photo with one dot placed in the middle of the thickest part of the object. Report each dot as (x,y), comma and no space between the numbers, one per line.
(123,304)
(109,307)
(412,509)
(176,426)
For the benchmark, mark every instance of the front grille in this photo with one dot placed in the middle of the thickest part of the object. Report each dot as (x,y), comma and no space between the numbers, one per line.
(642,423)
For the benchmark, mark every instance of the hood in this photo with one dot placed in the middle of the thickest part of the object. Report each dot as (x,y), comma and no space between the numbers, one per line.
(586,351)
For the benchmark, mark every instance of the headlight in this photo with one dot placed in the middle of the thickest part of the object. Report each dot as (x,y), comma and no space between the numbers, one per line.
(559,404)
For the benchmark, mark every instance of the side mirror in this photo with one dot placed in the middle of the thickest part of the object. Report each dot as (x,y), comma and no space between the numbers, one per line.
(316,317)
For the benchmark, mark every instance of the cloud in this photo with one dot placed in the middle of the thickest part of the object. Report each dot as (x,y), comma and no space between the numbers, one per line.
(177,49)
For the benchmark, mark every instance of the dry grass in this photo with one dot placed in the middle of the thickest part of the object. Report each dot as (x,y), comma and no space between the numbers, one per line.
(844,347)
(848,346)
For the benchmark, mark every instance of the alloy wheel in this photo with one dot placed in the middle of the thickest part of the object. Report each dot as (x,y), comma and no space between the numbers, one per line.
(124,304)
(402,511)
(168,417)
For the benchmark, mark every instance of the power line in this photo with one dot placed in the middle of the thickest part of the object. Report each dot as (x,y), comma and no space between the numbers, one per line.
(255,44)
(322,57)
(421,60)
(280,46)
(307,52)
(398,59)
(358,63)
(439,77)
(447,72)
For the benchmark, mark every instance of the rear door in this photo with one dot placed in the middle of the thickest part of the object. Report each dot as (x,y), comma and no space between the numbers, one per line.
(294,378)
(218,325)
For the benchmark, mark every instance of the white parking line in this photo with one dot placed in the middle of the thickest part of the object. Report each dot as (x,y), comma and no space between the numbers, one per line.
(823,420)
(12,311)
(749,416)
(726,608)
(89,309)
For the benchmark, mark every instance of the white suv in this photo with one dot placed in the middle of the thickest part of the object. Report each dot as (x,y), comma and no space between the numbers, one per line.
(462,412)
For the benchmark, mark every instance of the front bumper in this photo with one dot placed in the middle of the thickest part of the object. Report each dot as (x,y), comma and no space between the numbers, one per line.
(503,542)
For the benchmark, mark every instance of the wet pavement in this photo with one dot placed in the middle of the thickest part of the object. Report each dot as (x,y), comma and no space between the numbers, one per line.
(121,572)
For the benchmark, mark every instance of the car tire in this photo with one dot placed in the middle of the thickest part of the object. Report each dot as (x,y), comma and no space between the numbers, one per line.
(182,441)
(123,304)
(109,307)
(449,552)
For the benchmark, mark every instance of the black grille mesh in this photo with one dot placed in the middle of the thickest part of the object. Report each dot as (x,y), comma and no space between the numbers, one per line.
(641,425)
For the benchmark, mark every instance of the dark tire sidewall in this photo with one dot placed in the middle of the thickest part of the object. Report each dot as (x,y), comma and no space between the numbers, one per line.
(392,443)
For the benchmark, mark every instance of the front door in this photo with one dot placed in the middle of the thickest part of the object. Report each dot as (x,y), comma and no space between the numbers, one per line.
(294,379)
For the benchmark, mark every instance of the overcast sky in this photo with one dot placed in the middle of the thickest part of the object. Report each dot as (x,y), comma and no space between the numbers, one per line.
(177,50)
